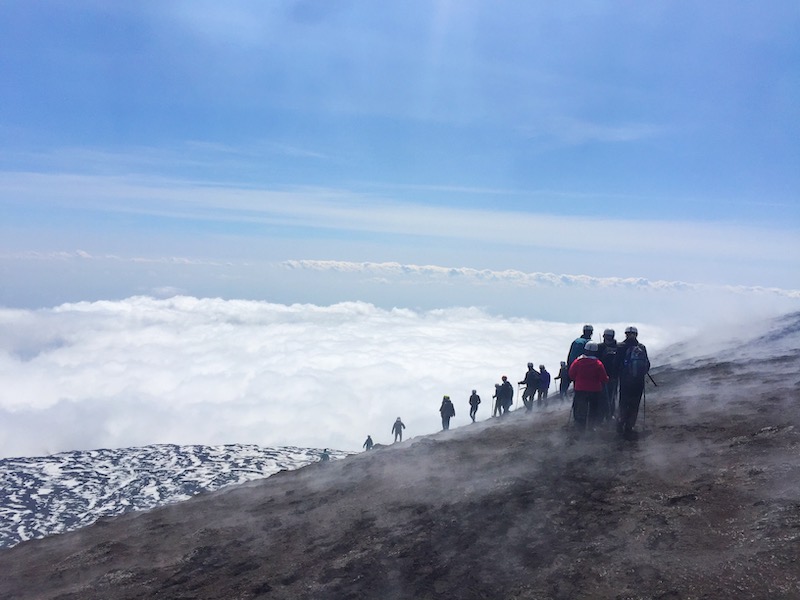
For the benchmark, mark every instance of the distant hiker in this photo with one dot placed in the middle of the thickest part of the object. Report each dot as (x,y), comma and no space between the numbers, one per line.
(507,391)
(447,410)
(497,410)
(369,443)
(589,375)
(544,386)
(563,376)
(474,401)
(397,430)
(325,457)
(531,381)
(633,366)
(607,353)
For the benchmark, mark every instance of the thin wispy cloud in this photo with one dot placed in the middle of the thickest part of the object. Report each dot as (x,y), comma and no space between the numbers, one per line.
(522,279)
(345,210)
(573,131)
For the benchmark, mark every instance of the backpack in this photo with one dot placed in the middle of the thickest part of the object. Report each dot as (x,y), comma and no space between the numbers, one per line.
(576,349)
(636,363)
(609,359)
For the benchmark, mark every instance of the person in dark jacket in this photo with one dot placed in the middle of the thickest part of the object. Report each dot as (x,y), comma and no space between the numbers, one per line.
(507,392)
(544,386)
(474,401)
(607,353)
(447,410)
(531,381)
(497,410)
(577,346)
(632,367)
(589,375)
(368,444)
(397,429)
(563,379)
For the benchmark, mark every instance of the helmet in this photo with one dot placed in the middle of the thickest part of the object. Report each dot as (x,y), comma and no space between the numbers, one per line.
(541,366)
(632,330)
(446,398)
(504,378)
(530,365)
(563,363)
(588,329)
(608,333)
(474,392)
(591,348)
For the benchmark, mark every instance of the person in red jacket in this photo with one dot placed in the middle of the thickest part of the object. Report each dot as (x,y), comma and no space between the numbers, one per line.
(589,375)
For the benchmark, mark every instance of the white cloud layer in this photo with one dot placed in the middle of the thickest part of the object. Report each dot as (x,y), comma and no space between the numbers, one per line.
(210,371)
(523,279)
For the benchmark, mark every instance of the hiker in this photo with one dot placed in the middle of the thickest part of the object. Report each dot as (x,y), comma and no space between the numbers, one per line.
(607,353)
(368,444)
(544,386)
(447,410)
(474,400)
(576,348)
(589,375)
(397,429)
(632,367)
(531,381)
(497,410)
(563,376)
(324,457)
(507,391)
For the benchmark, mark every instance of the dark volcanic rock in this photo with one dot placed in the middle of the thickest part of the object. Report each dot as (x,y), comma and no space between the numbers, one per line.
(705,504)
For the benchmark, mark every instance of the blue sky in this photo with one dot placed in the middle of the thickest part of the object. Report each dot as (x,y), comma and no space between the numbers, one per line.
(212,142)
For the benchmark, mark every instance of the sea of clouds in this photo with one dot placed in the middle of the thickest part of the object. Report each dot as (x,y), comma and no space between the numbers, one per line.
(185,370)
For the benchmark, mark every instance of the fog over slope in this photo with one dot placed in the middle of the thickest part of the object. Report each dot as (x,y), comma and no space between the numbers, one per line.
(704,505)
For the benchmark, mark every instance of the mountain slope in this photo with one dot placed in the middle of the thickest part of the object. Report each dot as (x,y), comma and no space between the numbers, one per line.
(706,505)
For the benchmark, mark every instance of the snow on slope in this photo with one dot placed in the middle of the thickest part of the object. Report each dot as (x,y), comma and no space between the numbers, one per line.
(53,494)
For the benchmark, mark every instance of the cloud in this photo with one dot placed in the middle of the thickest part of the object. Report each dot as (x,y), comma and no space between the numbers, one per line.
(211,371)
(522,279)
(309,212)
(572,131)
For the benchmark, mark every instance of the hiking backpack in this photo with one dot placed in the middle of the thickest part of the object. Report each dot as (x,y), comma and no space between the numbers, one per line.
(636,363)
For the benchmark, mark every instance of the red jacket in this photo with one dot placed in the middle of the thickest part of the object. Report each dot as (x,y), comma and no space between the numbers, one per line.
(588,373)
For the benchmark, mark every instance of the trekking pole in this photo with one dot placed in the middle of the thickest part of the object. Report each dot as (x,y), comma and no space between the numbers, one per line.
(588,409)
(571,410)
(644,410)
(516,402)
(653,380)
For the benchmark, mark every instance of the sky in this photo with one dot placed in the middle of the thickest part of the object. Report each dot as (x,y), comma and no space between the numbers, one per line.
(605,162)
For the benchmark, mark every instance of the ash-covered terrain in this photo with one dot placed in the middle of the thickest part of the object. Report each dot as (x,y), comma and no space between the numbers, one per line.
(52,494)
(704,505)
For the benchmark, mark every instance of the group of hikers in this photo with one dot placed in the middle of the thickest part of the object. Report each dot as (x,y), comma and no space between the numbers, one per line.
(608,381)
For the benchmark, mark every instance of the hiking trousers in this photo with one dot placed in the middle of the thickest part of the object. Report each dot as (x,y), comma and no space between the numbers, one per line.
(630,396)
(587,409)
